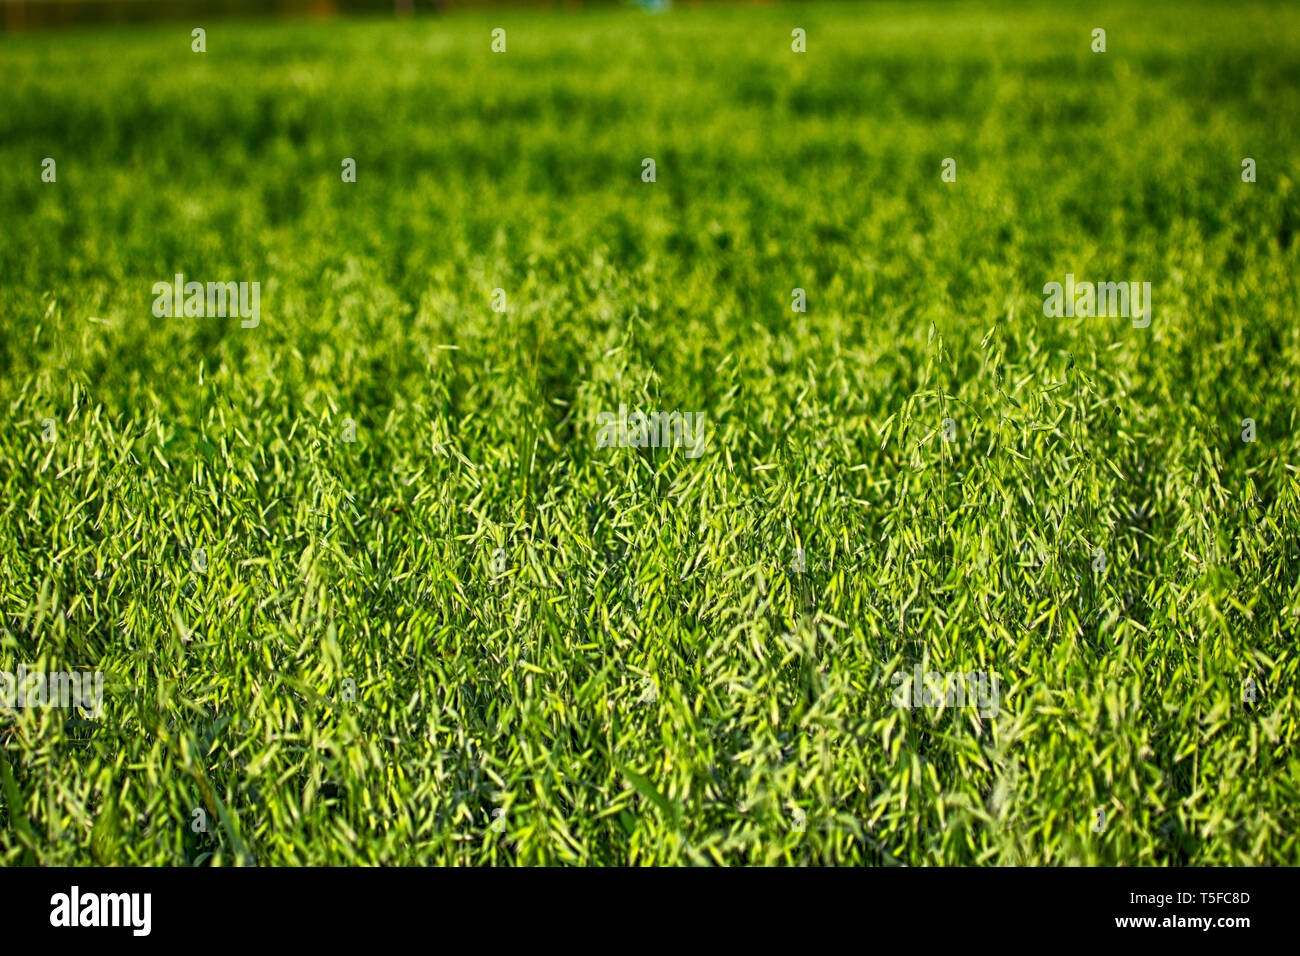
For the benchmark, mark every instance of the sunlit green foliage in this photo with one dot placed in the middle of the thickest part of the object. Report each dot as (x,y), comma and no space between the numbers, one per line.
(646,678)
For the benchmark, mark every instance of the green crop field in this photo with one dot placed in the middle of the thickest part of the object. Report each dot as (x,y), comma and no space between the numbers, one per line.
(385,567)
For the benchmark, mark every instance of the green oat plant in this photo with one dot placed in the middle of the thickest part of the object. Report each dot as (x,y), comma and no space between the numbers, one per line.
(363,586)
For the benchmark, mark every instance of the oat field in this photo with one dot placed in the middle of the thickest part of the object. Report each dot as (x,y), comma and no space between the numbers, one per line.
(402,549)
